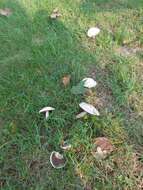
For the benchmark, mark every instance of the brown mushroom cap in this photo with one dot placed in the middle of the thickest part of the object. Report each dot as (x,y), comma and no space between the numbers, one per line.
(105,144)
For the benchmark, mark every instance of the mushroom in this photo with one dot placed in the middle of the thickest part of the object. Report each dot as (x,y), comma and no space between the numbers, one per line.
(55,14)
(65,145)
(46,110)
(92,32)
(89,108)
(99,154)
(80,115)
(103,148)
(89,82)
(5,12)
(57,160)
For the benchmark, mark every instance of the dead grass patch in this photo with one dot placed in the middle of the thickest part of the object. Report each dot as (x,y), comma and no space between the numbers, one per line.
(128,51)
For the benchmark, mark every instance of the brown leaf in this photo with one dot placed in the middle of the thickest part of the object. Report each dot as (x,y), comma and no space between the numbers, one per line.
(55,14)
(105,144)
(5,12)
(66,80)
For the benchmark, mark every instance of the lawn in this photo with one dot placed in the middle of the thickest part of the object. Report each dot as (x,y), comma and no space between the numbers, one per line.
(36,52)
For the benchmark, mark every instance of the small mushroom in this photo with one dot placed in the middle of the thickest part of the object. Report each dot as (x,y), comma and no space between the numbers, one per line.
(55,14)
(99,154)
(89,108)
(46,110)
(57,160)
(103,148)
(89,82)
(105,144)
(65,145)
(93,31)
(5,12)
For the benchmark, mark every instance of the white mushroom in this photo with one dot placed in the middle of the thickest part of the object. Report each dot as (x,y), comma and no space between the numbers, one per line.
(89,108)
(5,12)
(55,14)
(57,160)
(47,114)
(93,31)
(99,154)
(46,111)
(89,82)
(66,146)
(80,115)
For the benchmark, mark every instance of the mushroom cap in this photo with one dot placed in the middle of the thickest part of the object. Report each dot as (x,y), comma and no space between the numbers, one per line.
(5,12)
(46,109)
(105,144)
(99,154)
(89,82)
(89,108)
(57,160)
(93,31)
(65,145)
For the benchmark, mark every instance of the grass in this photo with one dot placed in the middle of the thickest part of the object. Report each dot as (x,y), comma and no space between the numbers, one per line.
(36,52)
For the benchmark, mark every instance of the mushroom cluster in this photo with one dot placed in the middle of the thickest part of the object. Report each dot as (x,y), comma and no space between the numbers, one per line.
(57,160)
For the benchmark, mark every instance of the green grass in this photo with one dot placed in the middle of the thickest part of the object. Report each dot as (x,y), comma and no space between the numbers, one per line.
(35,53)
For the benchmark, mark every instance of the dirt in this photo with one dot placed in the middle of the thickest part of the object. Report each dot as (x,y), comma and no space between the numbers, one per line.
(101,97)
(128,51)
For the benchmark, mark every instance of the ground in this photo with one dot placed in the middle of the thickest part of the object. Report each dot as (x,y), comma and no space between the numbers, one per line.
(35,53)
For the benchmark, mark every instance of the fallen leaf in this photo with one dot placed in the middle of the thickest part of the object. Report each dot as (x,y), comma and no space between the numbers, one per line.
(55,14)
(66,80)
(57,160)
(89,108)
(5,12)
(93,31)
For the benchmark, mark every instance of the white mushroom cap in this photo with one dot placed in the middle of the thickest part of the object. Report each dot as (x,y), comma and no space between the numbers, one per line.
(89,82)
(93,31)
(59,157)
(89,108)
(66,146)
(46,109)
